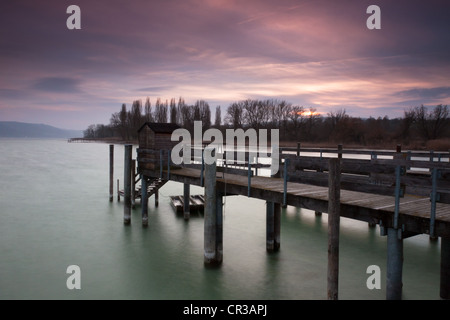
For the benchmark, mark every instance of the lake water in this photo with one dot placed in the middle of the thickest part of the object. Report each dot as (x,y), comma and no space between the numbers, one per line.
(55,212)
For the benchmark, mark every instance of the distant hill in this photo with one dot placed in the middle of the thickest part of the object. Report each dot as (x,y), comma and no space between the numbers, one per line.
(13,129)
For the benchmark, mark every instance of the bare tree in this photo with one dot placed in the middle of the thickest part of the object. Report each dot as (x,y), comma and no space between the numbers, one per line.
(235,114)
(148,110)
(218,117)
(173,111)
(160,114)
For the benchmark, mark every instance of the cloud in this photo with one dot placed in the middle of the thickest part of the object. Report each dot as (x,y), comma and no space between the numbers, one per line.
(426,93)
(57,85)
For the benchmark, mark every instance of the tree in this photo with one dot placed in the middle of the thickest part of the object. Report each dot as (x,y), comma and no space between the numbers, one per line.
(148,110)
(160,114)
(218,117)
(430,123)
(234,114)
(173,111)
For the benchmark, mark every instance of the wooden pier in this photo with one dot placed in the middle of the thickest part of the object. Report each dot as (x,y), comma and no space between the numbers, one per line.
(405,193)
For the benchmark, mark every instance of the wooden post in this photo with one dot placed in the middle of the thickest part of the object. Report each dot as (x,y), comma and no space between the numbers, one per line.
(186,203)
(111,172)
(277,226)
(118,191)
(445,269)
(144,201)
(133,183)
(127,184)
(394,265)
(298,149)
(270,227)
(210,216)
(334,180)
(273,226)
(157,197)
(219,227)
(340,151)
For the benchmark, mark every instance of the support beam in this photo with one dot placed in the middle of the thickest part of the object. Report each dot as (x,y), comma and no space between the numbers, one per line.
(334,204)
(394,265)
(127,183)
(144,200)
(186,196)
(111,172)
(445,269)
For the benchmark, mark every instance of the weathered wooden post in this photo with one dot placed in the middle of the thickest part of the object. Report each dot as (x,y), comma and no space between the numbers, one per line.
(118,191)
(219,226)
(157,197)
(334,180)
(394,265)
(133,183)
(445,269)
(127,185)
(111,172)
(298,149)
(270,226)
(277,225)
(144,200)
(186,203)
(395,244)
(212,221)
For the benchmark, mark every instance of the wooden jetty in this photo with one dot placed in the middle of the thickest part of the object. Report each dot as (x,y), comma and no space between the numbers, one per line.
(405,193)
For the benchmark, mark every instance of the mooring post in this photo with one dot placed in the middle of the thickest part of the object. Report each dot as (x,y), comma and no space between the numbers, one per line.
(144,200)
(210,217)
(445,269)
(277,226)
(157,197)
(133,183)
(273,226)
(334,204)
(111,172)
(219,226)
(394,265)
(118,191)
(270,226)
(186,202)
(127,185)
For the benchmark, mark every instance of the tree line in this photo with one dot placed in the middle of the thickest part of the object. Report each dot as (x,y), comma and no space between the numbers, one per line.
(418,125)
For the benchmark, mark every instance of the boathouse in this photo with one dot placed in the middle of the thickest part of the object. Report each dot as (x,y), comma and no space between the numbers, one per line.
(155,136)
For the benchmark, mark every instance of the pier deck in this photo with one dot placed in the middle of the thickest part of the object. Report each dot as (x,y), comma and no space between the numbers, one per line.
(414,212)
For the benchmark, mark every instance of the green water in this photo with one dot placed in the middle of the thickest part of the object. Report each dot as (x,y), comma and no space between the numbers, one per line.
(54,212)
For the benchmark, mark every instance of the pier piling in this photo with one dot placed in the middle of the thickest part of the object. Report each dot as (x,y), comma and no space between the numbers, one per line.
(394,265)
(111,172)
(333,227)
(445,269)
(186,195)
(144,201)
(212,218)
(127,185)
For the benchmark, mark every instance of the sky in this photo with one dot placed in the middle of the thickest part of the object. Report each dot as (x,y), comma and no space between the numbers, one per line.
(313,53)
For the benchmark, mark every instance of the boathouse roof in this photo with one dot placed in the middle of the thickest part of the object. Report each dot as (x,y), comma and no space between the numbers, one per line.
(159,127)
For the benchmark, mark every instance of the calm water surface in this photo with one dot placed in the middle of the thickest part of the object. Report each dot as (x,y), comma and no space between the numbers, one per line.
(54,212)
